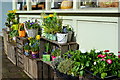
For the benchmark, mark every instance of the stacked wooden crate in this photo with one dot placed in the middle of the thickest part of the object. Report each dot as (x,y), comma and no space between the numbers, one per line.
(63,47)
(37,69)
(11,52)
(5,38)
(20,41)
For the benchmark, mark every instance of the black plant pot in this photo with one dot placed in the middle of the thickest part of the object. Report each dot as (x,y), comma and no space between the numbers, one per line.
(65,76)
(89,75)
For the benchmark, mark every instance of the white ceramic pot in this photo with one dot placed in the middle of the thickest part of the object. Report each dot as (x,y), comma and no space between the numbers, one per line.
(62,38)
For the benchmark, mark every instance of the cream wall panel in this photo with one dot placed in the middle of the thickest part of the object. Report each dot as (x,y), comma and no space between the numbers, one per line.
(98,35)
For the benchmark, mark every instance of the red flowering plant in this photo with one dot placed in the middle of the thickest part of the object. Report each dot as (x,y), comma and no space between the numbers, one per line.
(106,64)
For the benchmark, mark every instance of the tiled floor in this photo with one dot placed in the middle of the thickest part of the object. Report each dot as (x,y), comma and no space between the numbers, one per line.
(10,71)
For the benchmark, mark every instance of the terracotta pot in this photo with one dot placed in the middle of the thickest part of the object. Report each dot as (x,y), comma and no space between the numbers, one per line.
(22,33)
(36,52)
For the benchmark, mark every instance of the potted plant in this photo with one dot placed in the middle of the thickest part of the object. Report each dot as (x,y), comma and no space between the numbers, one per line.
(46,54)
(10,19)
(47,48)
(51,25)
(14,25)
(68,29)
(13,34)
(34,47)
(64,70)
(106,65)
(55,53)
(56,62)
(32,28)
(26,49)
(21,30)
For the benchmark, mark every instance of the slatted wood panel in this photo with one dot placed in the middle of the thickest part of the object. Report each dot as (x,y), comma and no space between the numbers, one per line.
(5,38)
(20,59)
(11,54)
(20,41)
(40,70)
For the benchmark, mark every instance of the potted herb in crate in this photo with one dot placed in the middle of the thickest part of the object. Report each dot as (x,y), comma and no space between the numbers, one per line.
(10,19)
(55,53)
(51,25)
(34,46)
(64,70)
(26,49)
(46,54)
(13,34)
(32,28)
(68,29)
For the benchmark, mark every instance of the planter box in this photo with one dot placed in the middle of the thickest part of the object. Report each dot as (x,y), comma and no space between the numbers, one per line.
(90,76)
(37,69)
(63,47)
(63,76)
(5,39)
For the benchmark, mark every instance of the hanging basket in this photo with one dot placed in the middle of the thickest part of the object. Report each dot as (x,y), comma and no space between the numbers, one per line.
(62,38)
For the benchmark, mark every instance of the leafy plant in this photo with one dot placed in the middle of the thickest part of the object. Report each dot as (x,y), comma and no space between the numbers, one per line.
(106,64)
(66,66)
(47,47)
(13,33)
(26,46)
(10,18)
(34,44)
(52,23)
(32,25)
(21,27)
(56,52)
(56,61)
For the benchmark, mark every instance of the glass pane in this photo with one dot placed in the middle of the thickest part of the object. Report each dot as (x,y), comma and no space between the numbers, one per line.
(99,3)
(61,4)
(38,4)
(21,5)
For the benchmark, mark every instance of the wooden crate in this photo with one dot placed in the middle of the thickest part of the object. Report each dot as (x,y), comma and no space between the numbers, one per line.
(11,52)
(19,58)
(37,69)
(20,41)
(63,47)
(5,39)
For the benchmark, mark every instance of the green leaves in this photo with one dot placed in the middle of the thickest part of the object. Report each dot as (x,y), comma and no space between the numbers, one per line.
(103,75)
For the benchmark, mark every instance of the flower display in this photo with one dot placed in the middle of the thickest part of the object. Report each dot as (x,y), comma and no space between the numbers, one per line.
(11,18)
(107,64)
(38,37)
(109,61)
(52,23)
(32,25)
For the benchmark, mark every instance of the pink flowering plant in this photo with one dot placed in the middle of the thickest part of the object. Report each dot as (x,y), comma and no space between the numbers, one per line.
(106,64)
